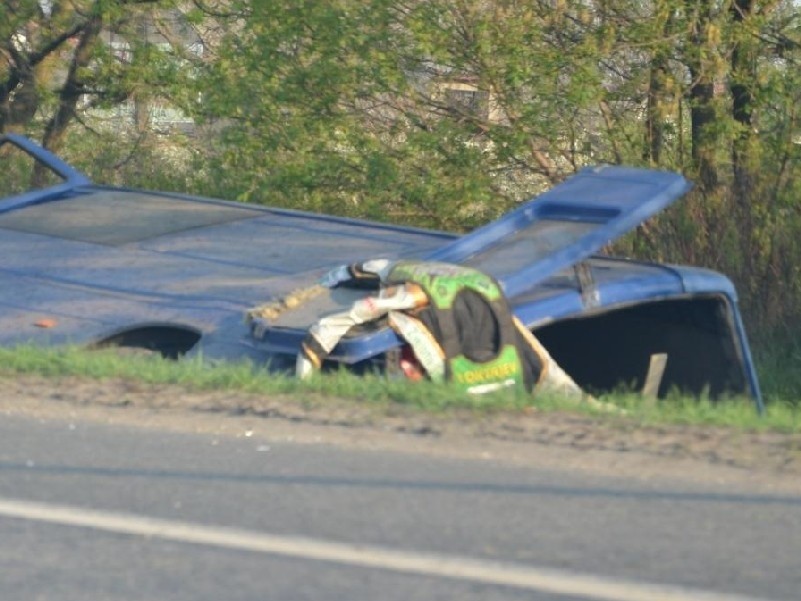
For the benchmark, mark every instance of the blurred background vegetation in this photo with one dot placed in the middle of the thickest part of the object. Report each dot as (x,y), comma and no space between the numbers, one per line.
(440,113)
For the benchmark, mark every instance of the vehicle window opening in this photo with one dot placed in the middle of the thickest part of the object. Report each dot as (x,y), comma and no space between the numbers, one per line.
(613,350)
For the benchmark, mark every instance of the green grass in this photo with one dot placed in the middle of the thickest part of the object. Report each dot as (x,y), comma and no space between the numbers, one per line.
(778,359)
(196,374)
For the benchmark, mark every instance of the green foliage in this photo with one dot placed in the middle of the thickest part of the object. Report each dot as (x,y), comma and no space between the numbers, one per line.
(427,114)
(777,354)
(66,65)
(133,161)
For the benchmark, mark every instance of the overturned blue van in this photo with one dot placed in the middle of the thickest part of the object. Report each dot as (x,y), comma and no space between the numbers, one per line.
(95,265)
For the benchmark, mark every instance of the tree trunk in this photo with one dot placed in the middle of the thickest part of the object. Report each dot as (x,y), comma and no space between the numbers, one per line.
(70,93)
(657,91)
(743,71)
(73,88)
(702,95)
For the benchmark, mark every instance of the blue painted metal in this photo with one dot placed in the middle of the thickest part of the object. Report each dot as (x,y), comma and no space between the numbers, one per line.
(204,277)
(609,200)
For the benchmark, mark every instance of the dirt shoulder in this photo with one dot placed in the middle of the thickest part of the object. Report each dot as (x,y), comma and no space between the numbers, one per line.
(764,462)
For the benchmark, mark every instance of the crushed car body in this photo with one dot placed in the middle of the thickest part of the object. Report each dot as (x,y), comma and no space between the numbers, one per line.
(93,265)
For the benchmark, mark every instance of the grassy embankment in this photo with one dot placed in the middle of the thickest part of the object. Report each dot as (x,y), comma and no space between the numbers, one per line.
(782,413)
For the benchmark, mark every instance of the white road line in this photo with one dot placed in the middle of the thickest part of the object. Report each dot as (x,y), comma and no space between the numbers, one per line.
(520,576)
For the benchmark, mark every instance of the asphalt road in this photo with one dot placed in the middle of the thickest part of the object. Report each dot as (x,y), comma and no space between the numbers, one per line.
(91,511)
